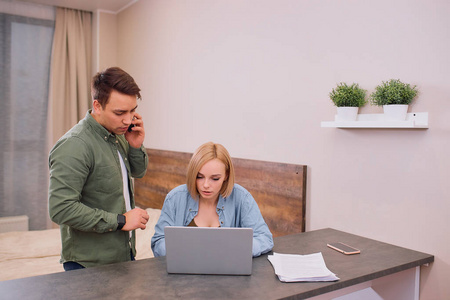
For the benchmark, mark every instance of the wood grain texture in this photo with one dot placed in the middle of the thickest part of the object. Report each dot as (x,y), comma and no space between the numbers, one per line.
(278,188)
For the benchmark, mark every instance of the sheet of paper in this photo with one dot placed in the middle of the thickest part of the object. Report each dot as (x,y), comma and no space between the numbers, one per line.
(293,267)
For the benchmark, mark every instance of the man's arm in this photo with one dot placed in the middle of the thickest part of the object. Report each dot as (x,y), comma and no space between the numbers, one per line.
(69,164)
(138,159)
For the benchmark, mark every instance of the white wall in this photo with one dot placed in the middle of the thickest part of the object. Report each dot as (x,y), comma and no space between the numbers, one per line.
(106,24)
(255,75)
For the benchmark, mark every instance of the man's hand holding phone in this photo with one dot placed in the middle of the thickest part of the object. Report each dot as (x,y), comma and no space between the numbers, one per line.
(135,134)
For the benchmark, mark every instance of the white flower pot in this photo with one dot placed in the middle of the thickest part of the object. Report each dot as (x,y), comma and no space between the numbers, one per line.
(395,112)
(347,113)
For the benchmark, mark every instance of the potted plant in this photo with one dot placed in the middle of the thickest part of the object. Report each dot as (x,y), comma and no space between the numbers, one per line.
(348,99)
(394,96)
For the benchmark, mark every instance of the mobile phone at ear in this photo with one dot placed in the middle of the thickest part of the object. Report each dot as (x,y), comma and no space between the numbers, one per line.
(131,126)
(343,248)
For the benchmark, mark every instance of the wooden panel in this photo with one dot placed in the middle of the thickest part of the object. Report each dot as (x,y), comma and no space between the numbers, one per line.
(166,170)
(280,191)
(278,188)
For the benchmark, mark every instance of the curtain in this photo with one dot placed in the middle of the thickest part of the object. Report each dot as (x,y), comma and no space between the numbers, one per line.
(25,51)
(70,71)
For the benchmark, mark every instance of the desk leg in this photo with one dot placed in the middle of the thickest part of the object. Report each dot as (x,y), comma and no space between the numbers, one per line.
(399,286)
(402,285)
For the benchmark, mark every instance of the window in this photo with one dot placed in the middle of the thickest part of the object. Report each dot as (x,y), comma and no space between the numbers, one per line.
(25,51)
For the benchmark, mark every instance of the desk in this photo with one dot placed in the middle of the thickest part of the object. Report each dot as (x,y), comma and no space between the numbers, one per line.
(148,278)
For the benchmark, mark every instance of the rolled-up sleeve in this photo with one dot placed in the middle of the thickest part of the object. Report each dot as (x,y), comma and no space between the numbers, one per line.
(251,217)
(158,242)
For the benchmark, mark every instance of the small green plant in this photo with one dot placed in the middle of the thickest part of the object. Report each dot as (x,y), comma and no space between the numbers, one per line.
(348,95)
(393,92)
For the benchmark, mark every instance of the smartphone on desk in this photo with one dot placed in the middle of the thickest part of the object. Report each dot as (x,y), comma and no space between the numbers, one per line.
(343,248)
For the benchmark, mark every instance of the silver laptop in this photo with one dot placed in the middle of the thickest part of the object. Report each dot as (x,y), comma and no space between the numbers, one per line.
(207,250)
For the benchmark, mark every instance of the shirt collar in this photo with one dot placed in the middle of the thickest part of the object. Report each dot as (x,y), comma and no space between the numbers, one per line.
(221,203)
(193,204)
(99,129)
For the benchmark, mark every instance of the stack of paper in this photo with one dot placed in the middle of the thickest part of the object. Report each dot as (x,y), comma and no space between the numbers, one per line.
(292,267)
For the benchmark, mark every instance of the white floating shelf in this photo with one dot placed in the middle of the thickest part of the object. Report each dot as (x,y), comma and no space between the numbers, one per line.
(413,120)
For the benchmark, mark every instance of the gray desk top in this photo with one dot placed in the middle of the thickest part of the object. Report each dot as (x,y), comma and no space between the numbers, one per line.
(145,279)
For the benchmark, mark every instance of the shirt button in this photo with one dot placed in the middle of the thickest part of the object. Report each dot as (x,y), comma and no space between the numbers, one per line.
(221,222)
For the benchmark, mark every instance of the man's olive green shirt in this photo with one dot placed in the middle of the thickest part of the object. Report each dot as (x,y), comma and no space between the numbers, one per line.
(86,193)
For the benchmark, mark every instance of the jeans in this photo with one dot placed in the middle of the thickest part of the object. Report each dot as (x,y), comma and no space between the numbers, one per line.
(71,265)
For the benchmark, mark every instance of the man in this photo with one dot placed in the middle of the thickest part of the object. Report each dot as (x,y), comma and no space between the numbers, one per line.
(91,192)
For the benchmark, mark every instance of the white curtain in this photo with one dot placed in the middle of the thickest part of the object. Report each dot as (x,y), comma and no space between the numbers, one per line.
(25,51)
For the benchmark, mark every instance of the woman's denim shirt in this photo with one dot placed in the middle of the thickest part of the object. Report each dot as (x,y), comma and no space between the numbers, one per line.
(237,210)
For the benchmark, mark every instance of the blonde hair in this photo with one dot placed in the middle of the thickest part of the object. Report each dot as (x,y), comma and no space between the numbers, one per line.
(202,155)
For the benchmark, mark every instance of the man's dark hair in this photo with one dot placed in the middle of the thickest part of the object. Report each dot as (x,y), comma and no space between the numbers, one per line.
(113,78)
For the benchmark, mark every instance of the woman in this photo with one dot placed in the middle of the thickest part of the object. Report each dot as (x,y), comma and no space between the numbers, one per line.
(210,198)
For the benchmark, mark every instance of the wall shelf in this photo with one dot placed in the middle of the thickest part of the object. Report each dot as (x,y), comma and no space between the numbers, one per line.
(413,121)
